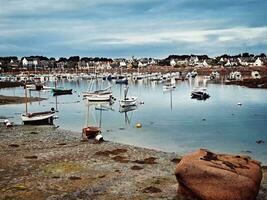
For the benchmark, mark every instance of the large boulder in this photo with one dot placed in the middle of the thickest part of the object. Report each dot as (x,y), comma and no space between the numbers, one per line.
(209,176)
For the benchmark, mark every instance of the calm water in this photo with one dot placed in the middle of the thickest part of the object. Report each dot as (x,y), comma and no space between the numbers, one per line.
(170,121)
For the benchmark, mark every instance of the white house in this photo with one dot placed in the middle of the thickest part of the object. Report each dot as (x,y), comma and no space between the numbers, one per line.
(123,64)
(241,62)
(257,62)
(228,64)
(193,60)
(25,62)
(152,62)
(172,63)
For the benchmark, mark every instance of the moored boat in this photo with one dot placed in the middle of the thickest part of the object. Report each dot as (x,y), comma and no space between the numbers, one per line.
(200,94)
(128,101)
(57,91)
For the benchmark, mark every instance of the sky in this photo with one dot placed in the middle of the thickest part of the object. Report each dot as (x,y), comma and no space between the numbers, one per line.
(126,28)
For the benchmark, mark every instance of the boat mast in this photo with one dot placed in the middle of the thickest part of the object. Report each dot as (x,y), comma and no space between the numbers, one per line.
(100,120)
(26,100)
(125,92)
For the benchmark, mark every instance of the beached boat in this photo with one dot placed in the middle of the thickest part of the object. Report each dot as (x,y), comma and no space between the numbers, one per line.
(128,101)
(37,118)
(57,91)
(200,93)
(91,132)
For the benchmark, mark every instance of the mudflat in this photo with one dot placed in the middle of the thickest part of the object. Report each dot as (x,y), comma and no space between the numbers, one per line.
(44,162)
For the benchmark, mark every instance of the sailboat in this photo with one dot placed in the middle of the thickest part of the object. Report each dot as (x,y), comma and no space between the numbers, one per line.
(98,95)
(90,132)
(37,118)
(128,101)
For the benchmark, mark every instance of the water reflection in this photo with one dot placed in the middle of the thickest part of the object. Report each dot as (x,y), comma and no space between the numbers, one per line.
(128,113)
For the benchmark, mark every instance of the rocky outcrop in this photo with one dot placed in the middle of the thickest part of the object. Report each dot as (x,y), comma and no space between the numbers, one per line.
(211,176)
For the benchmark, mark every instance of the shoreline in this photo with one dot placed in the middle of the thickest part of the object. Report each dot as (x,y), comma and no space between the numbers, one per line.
(45,162)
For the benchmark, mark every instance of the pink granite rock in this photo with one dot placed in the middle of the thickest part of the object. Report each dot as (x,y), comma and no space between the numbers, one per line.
(211,176)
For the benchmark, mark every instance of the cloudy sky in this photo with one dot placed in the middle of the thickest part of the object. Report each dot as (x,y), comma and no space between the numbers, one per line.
(125,28)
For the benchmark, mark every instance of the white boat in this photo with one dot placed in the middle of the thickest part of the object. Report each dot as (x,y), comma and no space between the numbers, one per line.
(38,118)
(128,101)
(99,96)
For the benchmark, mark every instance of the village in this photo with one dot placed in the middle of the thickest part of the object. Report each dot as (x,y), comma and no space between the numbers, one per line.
(13,63)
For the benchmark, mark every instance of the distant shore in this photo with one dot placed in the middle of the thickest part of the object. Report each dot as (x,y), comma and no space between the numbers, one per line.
(49,163)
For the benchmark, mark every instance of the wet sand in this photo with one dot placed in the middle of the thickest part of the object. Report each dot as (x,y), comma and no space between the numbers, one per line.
(49,163)
(16,100)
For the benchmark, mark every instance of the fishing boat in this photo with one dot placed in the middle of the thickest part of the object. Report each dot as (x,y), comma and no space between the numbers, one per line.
(37,118)
(128,101)
(57,91)
(200,93)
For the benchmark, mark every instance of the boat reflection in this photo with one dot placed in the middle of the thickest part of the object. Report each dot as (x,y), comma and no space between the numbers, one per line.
(169,91)
(128,113)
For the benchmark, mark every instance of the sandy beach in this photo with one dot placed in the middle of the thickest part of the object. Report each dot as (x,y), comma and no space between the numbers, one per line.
(49,163)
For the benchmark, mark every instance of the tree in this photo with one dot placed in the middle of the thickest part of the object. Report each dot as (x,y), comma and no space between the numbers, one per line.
(74,59)
(62,59)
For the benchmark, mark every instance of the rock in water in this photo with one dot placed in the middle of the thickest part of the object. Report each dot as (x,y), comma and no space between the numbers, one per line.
(211,176)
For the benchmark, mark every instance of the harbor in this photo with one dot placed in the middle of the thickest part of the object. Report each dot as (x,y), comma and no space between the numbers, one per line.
(171,119)
(133,99)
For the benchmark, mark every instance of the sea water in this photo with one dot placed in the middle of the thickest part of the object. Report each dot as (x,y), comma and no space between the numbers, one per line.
(171,121)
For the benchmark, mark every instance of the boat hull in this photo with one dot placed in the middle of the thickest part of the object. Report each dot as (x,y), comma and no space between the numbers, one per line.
(61,92)
(42,118)
(99,97)
(91,132)
(130,101)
